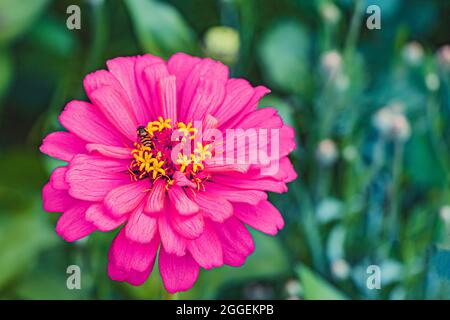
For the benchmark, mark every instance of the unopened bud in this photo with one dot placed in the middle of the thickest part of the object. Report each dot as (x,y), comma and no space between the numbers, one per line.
(222,43)
(330,12)
(340,268)
(413,53)
(444,56)
(326,152)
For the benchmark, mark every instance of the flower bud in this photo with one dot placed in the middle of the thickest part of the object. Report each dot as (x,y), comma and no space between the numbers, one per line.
(340,268)
(222,43)
(326,152)
(331,62)
(444,213)
(330,12)
(413,53)
(432,81)
(444,56)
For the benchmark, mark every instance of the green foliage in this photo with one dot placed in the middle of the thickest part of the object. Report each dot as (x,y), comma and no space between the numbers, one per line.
(160,28)
(314,287)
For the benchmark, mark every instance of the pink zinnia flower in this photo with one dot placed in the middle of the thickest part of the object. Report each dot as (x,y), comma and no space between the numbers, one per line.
(122,168)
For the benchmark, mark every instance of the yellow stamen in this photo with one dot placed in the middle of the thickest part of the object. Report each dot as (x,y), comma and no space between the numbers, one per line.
(196,163)
(187,130)
(184,161)
(202,151)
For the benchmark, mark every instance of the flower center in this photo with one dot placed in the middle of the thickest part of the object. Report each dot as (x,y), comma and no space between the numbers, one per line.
(161,151)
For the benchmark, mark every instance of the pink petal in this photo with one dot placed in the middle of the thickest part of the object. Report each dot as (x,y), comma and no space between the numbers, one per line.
(234,194)
(171,241)
(249,183)
(98,216)
(88,123)
(207,249)
(182,203)
(263,217)
(237,242)
(130,256)
(179,179)
(208,96)
(181,65)
(238,94)
(123,68)
(58,178)
(72,225)
(142,63)
(126,198)
(55,200)
(62,145)
(202,77)
(156,197)
(168,97)
(92,177)
(190,227)
(101,78)
(214,207)
(150,88)
(178,273)
(116,109)
(110,151)
(133,277)
(140,227)
(251,105)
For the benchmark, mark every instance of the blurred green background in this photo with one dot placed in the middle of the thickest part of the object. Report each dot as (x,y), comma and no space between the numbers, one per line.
(371,109)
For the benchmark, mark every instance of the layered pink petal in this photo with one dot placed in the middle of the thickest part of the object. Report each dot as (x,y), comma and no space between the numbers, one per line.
(62,145)
(92,177)
(110,151)
(88,123)
(178,273)
(249,183)
(129,259)
(237,242)
(214,207)
(101,219)
(205,81)
(180,65)
(58,178)
(126,198)
(263,217)
(156,198)
(189,227)
(207,249)
(150,86)
(141,227)
(171,241)
(251,105)
(56,200)
(116,109)
(72,225)
(183,204)
(234,194)
(123,68)
(101,78)
(238,94)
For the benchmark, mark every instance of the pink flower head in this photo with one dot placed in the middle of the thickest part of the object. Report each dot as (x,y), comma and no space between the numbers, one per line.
(145,154)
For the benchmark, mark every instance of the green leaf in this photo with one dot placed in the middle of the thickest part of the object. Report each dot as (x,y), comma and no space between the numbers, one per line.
(316,288)
(160,29)
(284,52)
(22,238)
(17,16)
(5,72)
